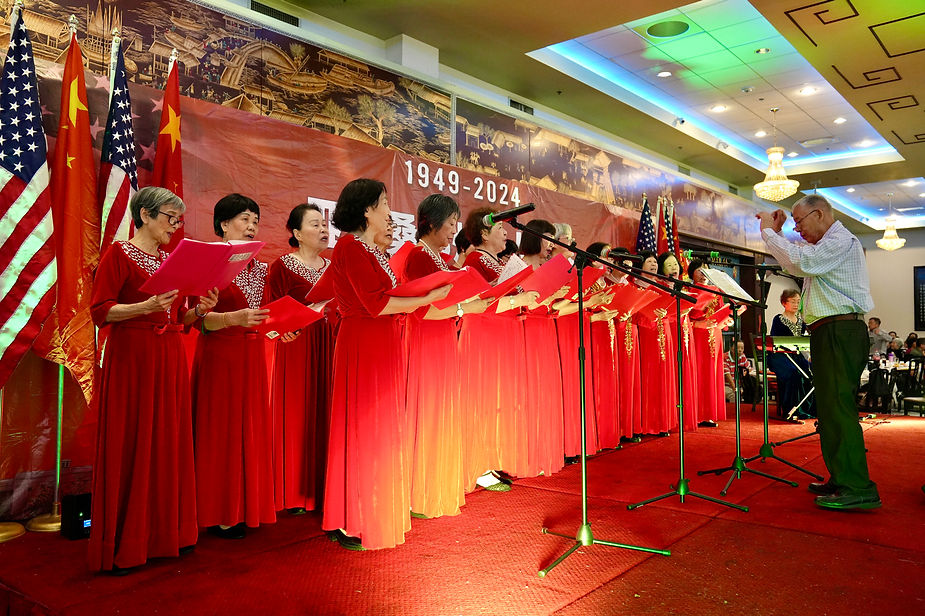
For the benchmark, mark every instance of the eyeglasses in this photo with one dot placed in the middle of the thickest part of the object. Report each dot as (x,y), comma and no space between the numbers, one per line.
(173,221)
(797,223)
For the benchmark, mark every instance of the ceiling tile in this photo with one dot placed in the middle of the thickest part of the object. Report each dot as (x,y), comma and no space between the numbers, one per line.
(720,14)
(755,33)
(790,79)
(691,46)
(644,60)
(724,78)
(615,43)
(716,61)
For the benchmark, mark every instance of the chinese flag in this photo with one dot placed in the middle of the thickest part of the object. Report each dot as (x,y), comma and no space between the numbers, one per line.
(168,164)
(664,243)
(68,337)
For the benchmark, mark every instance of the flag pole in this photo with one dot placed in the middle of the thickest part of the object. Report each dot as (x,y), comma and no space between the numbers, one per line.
(51,522)
(8,530)
(113,60)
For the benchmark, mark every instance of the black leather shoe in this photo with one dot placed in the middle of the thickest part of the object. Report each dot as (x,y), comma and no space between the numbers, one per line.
(664,434)
(296,510)
(709,423)
(120,571)
(823,489)
(234,532)
(186,549)
(346,541)
(637,438)
(572,460)
(850,501)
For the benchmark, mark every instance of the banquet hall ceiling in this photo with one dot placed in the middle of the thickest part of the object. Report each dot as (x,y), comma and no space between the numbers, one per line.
(864,60)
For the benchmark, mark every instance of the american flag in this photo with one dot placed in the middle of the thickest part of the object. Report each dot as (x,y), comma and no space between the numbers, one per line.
(118,178)
(27,254)
(645,236)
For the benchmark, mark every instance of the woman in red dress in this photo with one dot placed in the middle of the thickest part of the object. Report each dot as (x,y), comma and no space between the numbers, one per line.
(302,369)
(234,427)
(144,491)
(659,395)
(434,412)
(543,391)
(668,266)
(493,374)
(367,497)
(708,355)
(604,365)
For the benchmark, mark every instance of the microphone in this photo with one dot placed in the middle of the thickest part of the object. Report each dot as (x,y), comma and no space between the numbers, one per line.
(620,255)
(491,219)
(706,255)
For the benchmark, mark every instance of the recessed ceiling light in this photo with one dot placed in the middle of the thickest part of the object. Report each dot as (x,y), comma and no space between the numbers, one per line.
(806,91)
(668,29)
(748,90)
(718,108)
(763,50)
(850,190)
(761,133)
(793,154)
(910,183)
(839,120)
(865,143)
(922,195)
(664,74)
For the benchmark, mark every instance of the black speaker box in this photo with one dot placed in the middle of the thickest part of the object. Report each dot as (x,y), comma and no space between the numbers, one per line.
(75,516)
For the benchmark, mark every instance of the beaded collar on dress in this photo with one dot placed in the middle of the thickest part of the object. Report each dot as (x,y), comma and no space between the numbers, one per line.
(296,266)
(441,264)
(251,281)
(490,262)
(148,262)
(381,257)
(795,327)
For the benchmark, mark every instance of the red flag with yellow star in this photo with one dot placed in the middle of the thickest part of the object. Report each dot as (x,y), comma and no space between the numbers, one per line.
(69,336)
(168,164)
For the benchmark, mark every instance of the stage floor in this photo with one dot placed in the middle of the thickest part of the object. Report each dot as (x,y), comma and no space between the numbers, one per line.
(784,556)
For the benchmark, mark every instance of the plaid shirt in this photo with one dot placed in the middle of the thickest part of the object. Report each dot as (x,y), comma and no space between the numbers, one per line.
(834,271)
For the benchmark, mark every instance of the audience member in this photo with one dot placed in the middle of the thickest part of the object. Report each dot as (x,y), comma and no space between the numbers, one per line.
(878,340)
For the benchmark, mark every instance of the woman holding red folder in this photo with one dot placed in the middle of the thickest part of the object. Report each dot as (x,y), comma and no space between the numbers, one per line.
(543,390)
(434,412)
(656,343)
(300,390)
(708,354)
(144,492)
(493,375)
(603,365)
(234,428)
(668,266)
(367,485)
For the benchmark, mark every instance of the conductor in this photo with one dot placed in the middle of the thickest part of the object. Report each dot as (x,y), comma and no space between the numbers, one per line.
(836,294)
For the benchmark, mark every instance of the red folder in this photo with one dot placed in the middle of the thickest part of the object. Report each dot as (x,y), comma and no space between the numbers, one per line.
(665,301)
(722,314)
(397,261)
(503,288)
(549,277)
(423,285)
(287,315)
(196,267)
(323,289)
(628,298)
(588,277)
(469,284)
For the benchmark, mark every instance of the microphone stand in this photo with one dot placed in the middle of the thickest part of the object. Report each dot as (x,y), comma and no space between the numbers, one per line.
(767,447)
(682,487)
(584,536)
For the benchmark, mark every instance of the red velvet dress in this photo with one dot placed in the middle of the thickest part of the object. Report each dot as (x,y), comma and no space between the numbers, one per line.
(482,364)
(691,381)
(231,406)
(606,386)
(629,384)
(144,490)
(658,365)
(367,491)
(708,360)
(543,393)
(300,393)
(567,328)
(435,419)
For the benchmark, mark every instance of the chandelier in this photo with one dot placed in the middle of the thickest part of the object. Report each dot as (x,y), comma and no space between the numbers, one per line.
(776,186)
(890,240)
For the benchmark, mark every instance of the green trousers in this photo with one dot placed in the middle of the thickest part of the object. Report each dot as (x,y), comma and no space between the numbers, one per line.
(839,352)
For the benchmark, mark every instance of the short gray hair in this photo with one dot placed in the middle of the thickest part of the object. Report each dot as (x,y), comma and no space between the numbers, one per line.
(816,202)
(151,199)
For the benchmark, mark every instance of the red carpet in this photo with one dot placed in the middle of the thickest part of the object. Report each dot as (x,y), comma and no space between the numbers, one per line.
(784,556)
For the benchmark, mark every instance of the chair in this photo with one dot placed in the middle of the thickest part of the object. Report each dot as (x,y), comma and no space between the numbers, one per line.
(880,387)
(911,387)
(771,380)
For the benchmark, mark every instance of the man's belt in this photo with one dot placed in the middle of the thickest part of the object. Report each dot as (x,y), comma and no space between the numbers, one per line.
(851,316)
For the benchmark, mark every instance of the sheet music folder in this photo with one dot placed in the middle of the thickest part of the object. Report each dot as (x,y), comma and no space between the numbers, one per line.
(195,267)
(725,283)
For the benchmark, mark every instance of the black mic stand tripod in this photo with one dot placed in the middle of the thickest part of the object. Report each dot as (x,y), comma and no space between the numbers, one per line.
(584,536)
